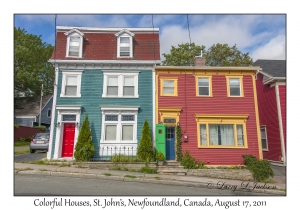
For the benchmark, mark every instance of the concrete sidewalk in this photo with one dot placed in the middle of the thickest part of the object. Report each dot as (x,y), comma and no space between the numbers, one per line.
(279,188)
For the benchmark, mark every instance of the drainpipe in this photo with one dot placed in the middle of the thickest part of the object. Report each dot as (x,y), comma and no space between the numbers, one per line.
(280,124)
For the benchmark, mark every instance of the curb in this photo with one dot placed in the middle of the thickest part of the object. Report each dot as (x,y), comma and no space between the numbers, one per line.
(141,180)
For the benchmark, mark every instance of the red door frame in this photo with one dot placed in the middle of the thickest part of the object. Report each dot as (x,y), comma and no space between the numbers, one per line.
(68,140)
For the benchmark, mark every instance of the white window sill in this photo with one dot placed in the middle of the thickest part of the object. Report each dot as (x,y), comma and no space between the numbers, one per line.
(105,96)
(73,56)
(117,142)
(65,96)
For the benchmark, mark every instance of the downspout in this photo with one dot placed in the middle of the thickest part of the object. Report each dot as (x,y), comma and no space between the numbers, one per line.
(280,124)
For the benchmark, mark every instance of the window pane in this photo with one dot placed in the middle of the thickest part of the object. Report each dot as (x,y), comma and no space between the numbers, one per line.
(128,81)
(128,91)
(203,82)
(221,135)
(203,136)
(112,91)
(168,90)
(264,144)
(71,53)
(203,91)
(240,135)
(69,117)
(263,133)
(71,80)
(110,132)
(124,53)
(74,38)
(235,91)
(124,39)
(124,49)
(111,117)
(127,132)
(168,83)
(112,81)
(127,117)
(234,82)
(71,90)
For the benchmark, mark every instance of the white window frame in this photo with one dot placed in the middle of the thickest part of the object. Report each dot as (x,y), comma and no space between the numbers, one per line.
(124,33)
(265,128)
(120,84)
(65,74)
(119,111)
(80,35)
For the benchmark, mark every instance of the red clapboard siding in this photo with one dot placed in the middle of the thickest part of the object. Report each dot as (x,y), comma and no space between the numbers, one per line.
(282,93)
(103,46)
(218,104)
(269,117)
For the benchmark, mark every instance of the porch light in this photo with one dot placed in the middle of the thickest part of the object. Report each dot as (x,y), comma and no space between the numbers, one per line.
(178,124)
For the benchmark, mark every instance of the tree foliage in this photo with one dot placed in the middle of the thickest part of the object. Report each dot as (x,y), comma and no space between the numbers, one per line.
(224,55)
(145,149)
(216,55)
(84,148)
(183,55)
(30,64)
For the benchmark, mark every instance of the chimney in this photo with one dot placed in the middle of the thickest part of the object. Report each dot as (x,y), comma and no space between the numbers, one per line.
(199,60)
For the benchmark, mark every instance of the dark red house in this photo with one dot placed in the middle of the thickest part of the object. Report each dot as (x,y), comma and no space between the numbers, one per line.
(216,108)
(271,93)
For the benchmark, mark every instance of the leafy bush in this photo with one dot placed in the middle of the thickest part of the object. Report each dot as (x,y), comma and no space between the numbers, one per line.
(189,162)
(178,143)
(261,169)
(147,170)
(160,156)
(145,149)
(119,158)
(84,148)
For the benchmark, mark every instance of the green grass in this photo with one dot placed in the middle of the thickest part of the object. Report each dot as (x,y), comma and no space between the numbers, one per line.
(130,176)
(107,174)
(147,170)
(19,152)
(117,168)
(21,143)
(43,170)
(158,178)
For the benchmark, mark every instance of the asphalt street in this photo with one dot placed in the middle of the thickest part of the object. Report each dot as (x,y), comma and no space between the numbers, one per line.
(30,157)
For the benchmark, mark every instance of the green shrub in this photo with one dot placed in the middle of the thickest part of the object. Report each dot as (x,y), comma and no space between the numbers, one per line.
(119,158)
(261,169)
(147,170)
(145,149)
(84,148)
(189,162)
(178,143)
(160,156)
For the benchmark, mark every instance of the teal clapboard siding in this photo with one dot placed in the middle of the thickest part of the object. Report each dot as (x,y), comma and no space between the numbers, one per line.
(91,100)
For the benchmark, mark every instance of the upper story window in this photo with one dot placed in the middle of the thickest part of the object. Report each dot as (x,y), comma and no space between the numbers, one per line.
(263,136)
(124,44)
(168,86)
(235,86)
(74,43)
(49,113)
(71,84)
(203,86)
(120,84)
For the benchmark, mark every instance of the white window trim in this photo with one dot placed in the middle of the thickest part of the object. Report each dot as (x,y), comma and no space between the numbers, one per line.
(119,111)
(120,84)
(74,33)
(265,128)
(65,74)
(125,34)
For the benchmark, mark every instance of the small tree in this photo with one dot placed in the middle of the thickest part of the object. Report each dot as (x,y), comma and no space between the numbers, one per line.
(84,148)
(145,149)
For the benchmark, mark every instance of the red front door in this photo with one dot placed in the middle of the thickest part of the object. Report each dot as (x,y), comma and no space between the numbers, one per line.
(68,140)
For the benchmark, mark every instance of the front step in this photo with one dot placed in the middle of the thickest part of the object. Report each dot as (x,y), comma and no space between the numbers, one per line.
(171,168)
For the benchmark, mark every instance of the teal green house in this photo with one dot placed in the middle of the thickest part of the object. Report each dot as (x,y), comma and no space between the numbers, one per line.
(109,75)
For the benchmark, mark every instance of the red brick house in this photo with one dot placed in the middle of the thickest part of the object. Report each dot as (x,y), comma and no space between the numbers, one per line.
(216,108)
(271,94)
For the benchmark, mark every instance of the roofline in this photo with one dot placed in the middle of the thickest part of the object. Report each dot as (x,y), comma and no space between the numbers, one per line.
(95,29)
(47,102)
(274,79)
(105,61)
(235,68)
(265,74)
